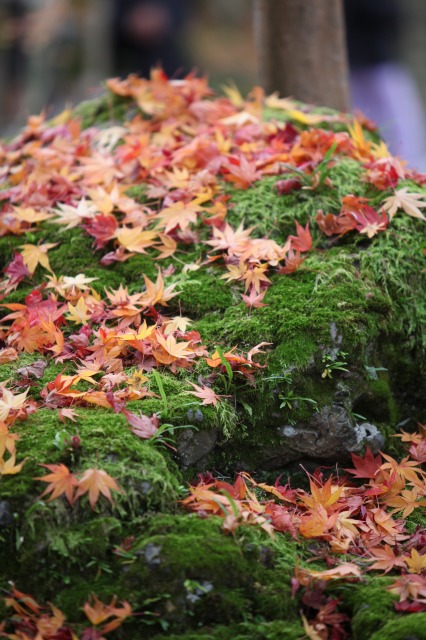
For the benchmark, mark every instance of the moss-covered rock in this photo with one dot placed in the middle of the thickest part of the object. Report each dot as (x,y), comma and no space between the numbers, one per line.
(342,367)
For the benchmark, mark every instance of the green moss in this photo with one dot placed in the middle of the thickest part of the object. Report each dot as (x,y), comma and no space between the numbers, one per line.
(205,292)
(48,539)
(377,402)
(133,270)
(108,108)
(408,627)
(416,520)
(274,216)
(278,630)
(138,192)
(325,290)
(371,605)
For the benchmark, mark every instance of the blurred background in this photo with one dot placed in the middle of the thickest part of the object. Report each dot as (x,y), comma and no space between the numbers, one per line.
(55,53)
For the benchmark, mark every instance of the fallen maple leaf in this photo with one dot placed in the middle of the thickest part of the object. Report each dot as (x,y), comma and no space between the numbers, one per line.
(94,482)
(385,559)
(135,239)
(367,466)
(10,402)
(7,440)
(303,241)
(61,481)
(143,426)
(406,469)
(67,414)
(8,354)
(98,612)
(8,467)
(408,202)
(79,313)
(71,216)
(292,262)
(309,630)
(407,501)
(17,270)
(370,222)
(171,349)
(206,394)
(347,570)
(33,255)
(284,187)
(409,586)
(416,563)
(254,299)
(179,215)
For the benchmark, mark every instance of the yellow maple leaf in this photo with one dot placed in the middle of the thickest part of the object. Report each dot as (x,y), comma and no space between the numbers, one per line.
(79,313)
(28,214)
(416,563)
(135,239)
(7,440)
(172,350)
(143,332)
(8,467)
(9,402)
(33,255)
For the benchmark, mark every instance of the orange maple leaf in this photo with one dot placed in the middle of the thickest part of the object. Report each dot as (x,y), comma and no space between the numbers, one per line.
(171,350)
(406,469)
(326,496)
(98,612)
(385,559)
(179,215)
(61,482)
(95,482)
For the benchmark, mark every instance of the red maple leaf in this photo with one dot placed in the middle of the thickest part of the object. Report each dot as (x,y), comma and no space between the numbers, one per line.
(292,262)
(284,187)
(333,225)
(102,228)
(16,269)
(303,241)
(367,466)
(143,426)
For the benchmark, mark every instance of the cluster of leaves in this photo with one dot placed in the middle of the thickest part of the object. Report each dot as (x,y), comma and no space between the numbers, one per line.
(93,482)
(31,621)
(12,408)
(361,513)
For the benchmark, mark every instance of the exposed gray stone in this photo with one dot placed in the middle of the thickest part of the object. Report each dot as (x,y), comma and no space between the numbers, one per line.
(194,446)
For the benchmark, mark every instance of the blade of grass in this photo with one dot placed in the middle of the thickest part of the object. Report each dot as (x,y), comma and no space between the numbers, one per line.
(160,386)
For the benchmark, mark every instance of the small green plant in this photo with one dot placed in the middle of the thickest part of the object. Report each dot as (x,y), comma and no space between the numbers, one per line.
(332,364)
(230,374)
(372,372)
(285,376)
(290,400)
(160,435)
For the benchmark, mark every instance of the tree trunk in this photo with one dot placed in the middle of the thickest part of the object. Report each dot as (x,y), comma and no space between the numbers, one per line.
(301,50)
